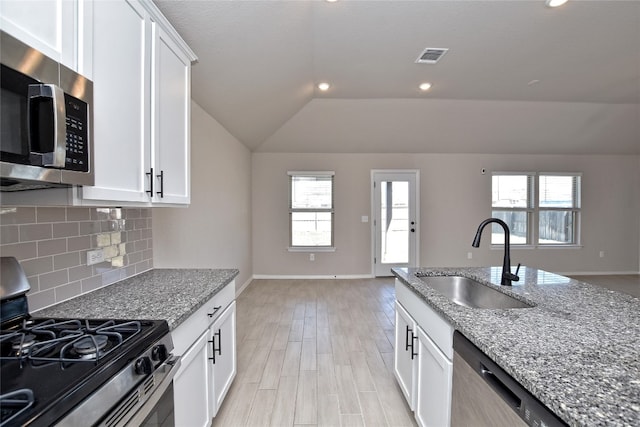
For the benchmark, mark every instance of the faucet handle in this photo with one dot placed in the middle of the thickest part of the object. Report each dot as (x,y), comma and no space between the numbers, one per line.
(511,276)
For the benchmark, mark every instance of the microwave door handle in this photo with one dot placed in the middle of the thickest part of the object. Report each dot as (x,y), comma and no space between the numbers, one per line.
(57,156)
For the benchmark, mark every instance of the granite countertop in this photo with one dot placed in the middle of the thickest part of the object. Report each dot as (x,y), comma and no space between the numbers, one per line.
(577,350)
(170,294)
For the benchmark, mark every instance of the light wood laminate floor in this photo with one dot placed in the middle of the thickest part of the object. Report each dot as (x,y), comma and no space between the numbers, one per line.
(626,283)
(315,352)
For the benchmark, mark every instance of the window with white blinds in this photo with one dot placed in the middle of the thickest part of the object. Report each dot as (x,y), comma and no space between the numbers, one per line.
(311,209)
(549,215)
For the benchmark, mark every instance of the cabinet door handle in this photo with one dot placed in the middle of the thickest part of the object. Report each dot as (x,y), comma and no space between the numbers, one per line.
(213,346)
(413,352)
(215,310)
(161,176)
(409,342)
(151,178)
(406,338)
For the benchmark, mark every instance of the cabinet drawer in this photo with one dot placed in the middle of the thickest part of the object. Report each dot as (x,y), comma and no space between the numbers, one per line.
(438,329)
(188,331)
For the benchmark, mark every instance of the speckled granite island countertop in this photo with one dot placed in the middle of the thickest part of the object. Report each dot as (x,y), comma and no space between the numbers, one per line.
(577,350)
(172,294)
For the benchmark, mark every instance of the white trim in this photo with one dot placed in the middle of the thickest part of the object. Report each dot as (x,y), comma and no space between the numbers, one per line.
(311,173)
(372,241)
(312,277)
(244,286)
(597,273)
(311,248)
(157,16)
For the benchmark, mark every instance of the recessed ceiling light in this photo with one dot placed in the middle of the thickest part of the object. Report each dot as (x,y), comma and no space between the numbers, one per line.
(555,3)
(331,1)
(425,86)
(324,86)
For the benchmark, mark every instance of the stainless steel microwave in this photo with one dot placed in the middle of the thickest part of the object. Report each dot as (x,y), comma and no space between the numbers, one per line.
(46,121)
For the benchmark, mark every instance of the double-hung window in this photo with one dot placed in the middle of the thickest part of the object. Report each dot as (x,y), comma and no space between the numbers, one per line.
(539,208)
(311,210)
(558,209)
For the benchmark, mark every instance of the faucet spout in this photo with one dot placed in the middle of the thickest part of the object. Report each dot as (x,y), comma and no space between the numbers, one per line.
(507,277)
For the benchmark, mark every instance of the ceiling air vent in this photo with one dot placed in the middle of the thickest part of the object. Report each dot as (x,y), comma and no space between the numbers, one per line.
(431,55)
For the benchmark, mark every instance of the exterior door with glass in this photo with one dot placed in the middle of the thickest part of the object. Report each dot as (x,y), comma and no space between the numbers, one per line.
(395,220)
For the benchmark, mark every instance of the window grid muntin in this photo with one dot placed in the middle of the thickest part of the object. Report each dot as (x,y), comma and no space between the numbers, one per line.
(534,213)
(319,175)
(529,209)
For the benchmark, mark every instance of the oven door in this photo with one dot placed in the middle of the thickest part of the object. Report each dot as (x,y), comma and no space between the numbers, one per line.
(132,405)
(154,409)
(161,413)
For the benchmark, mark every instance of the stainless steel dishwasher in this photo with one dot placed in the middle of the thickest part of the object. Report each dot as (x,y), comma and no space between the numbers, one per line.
(485,395)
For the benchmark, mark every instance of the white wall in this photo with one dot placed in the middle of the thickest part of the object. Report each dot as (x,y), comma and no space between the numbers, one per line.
(215,230)
(455,198)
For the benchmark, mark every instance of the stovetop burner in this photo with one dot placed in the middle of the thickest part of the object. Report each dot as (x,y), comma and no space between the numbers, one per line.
(67,341)
(21,343)
(62,361)
(51,368)
(90,345)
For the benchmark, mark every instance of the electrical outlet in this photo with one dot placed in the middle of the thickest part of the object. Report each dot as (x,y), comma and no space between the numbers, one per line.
(601,254)
(312,257)
(94,257)
(469,255)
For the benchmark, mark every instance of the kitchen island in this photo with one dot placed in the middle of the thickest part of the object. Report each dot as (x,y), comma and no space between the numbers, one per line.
(169,294)
(577,350)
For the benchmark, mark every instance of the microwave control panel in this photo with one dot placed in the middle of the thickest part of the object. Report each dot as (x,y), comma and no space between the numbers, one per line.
(77,157)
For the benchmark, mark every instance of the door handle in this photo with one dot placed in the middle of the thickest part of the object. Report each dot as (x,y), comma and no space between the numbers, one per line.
(150,175)
(215,310)
(213,346)
(161,176)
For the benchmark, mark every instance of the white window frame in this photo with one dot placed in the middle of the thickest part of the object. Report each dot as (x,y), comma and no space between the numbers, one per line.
(576,209)
(533,212)
(315,174)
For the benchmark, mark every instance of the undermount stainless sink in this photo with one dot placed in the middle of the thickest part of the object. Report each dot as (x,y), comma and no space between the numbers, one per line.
(469,293)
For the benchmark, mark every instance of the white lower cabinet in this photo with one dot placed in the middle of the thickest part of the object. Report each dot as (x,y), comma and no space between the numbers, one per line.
(433,388)
(207,343)
(222,339)
(405,356)
(423,358)
(191,390)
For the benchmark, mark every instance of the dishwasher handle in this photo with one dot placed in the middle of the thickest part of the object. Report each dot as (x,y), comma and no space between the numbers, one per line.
(505,392)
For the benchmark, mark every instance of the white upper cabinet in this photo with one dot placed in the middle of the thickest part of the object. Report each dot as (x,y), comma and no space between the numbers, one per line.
(121,66)
(171,99)
(142,91)
(50,26)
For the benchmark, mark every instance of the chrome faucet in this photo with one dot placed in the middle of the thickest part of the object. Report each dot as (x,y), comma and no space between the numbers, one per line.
(507,276)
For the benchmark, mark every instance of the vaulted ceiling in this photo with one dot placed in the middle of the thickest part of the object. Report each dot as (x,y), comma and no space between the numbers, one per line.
(519,77)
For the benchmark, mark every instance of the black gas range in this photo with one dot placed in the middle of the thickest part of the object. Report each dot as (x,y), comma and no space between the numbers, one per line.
(80,372)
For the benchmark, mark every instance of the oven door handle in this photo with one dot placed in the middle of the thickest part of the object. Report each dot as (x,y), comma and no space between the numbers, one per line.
(166,371)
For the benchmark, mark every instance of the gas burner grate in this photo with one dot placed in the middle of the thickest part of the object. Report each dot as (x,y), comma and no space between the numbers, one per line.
(66,341)
(15,403)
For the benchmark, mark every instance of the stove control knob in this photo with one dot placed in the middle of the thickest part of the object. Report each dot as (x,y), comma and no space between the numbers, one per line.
(143,366)
(159,352)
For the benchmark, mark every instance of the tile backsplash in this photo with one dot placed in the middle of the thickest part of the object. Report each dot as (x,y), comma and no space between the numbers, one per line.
(51,244)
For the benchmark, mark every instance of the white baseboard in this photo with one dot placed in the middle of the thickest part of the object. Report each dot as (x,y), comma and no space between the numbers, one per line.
(597,273)
(243,286)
